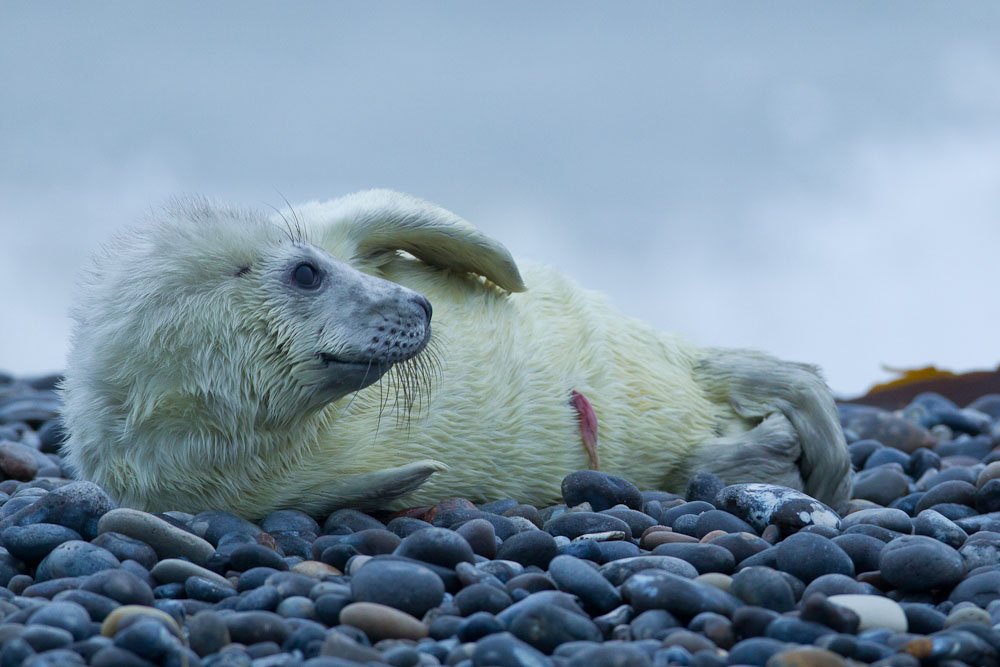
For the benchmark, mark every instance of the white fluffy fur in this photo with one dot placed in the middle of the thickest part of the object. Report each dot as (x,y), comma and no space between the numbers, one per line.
(187,387)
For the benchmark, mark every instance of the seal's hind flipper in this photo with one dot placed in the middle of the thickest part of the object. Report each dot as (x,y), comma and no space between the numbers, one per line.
(757,386)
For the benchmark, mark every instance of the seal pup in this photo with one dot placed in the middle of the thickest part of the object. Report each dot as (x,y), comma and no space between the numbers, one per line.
(222,359)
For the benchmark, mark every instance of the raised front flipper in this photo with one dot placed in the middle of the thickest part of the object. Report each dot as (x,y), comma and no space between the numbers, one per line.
(365,224)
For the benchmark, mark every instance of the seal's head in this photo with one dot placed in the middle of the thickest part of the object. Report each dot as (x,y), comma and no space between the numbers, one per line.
(216,319)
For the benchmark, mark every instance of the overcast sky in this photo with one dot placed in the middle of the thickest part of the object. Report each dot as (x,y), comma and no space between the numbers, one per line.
(818,180)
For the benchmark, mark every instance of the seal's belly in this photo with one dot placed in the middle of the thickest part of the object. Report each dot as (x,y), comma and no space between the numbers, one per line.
(499,413)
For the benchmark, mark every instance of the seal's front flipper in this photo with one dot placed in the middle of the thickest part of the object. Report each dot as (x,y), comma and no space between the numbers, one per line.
(369,490)
(378,221)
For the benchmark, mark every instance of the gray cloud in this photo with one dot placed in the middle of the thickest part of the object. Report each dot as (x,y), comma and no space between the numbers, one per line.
(818,181)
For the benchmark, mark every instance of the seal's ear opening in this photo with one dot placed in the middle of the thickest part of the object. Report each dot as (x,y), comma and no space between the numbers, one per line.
(384,220)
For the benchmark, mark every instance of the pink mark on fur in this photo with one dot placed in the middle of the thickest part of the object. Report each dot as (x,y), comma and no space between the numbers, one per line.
(588,426)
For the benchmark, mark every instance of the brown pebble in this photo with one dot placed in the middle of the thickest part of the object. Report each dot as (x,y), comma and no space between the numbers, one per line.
(663,537)
(919,648)
(110,625)
(315,569)
(721,581)
(771,534)
(17,461)
(267,540)
(418,512)
(657,529)
(806,657)
(447,505)
(709,536)
(380,621)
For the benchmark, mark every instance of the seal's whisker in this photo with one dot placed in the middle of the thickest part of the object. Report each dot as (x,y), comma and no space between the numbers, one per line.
(299,230)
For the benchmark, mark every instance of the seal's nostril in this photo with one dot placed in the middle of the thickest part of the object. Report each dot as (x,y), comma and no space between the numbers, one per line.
(425,304)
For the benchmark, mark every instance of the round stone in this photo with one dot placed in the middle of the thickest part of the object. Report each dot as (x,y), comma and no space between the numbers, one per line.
(75,559)
(720,520)
(481,536)
(18,461)
(704,557)
(756,651)
(880,485)
(248,556)
(252,627)
(956,492)
(32,543)
(207,633)
(577,578)
(505,650)
(741,545)
(546,626)
(618,571)
(409,587)
(763,587)
(982,548)
(835,584)
(439,546)
(891,519)
(920,563)
(66,615)
(532,547)
(77,505)
(121,586)
(941,528)
(352,519)
(97,606)
(637,521)
(979,589)
(480,598)
(600,489)
(207,590)
(127,548)
(656,589)
(289,521)
(147,638)
(807,556)
(761,505)
(575,524)
(262,598)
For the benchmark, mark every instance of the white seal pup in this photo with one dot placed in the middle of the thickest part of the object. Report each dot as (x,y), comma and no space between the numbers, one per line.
(221,360)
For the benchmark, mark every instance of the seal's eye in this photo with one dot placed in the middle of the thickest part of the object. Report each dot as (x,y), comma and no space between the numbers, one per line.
(306,275)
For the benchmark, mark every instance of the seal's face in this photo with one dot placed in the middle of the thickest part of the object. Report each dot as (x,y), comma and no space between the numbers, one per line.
(349,327)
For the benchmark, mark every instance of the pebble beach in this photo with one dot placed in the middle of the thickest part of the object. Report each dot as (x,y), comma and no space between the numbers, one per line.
(906,574)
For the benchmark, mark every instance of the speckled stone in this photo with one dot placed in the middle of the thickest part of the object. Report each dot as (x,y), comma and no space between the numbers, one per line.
(75,559)
(761,505)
